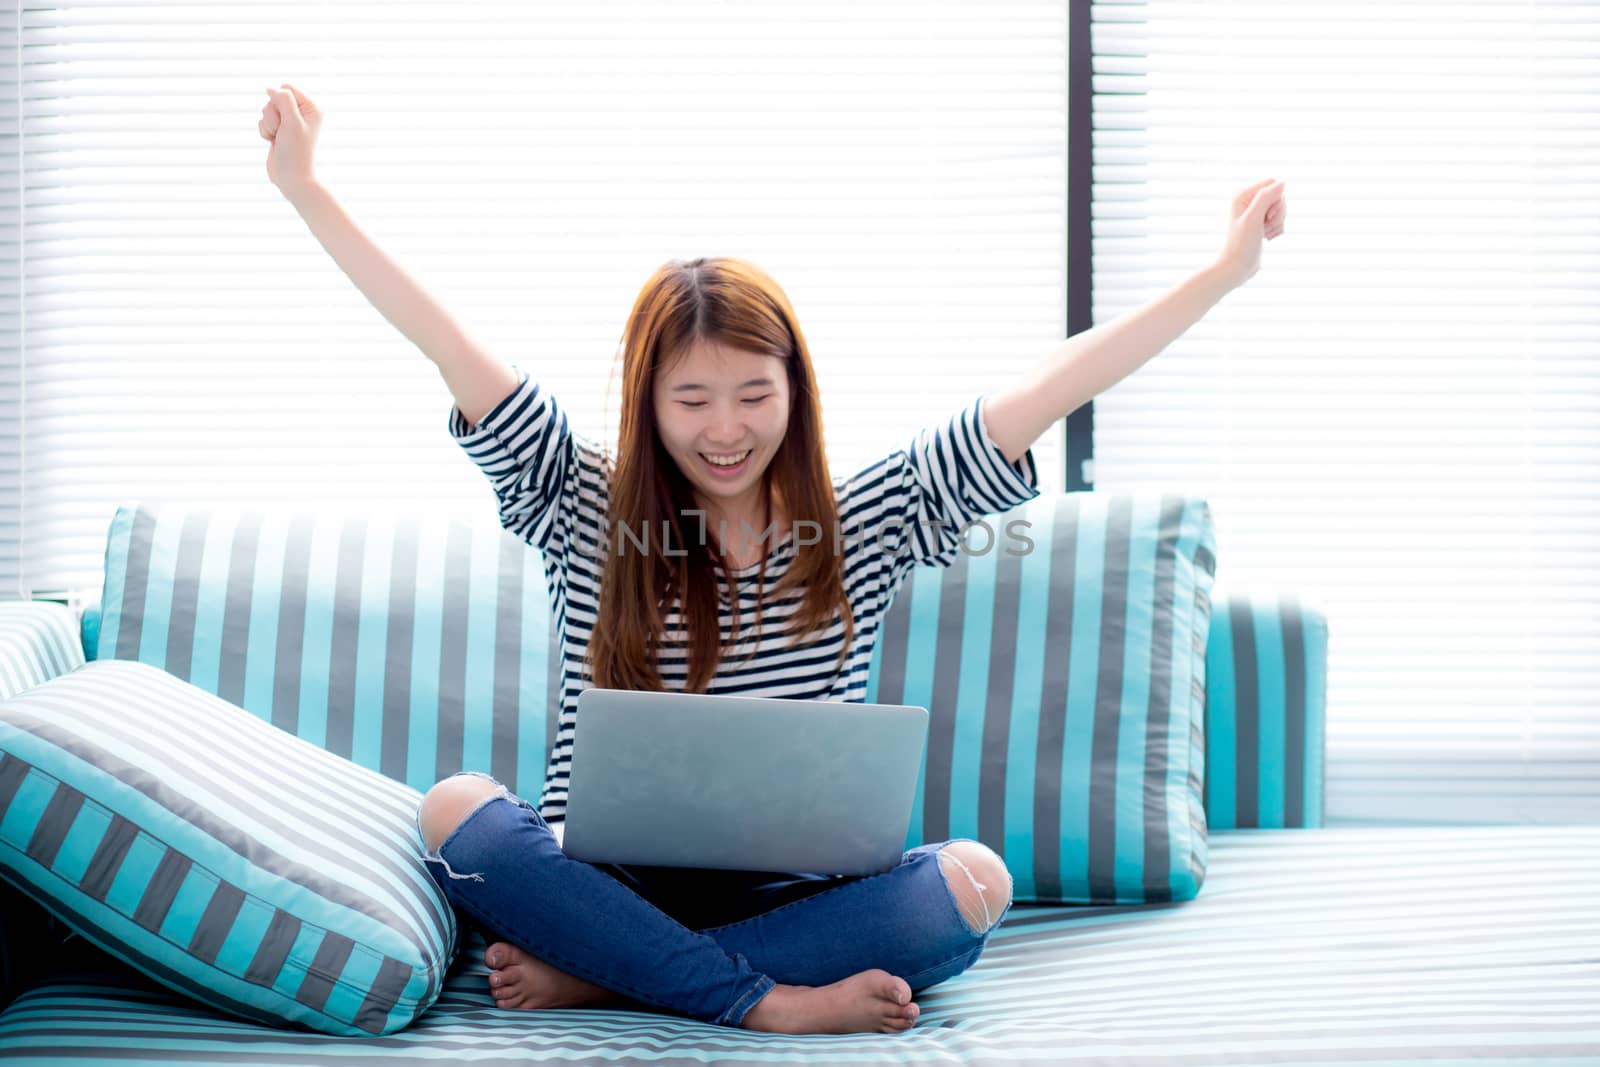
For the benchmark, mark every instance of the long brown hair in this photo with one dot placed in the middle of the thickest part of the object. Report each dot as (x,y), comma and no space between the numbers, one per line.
(735,303)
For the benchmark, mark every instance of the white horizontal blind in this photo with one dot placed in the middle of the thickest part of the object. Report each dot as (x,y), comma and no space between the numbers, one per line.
(178,333)
(1398,419)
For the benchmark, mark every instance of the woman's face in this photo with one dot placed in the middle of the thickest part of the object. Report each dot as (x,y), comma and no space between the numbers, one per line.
(723,403)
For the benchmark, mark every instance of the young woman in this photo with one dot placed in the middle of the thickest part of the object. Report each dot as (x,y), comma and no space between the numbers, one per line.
(713,552)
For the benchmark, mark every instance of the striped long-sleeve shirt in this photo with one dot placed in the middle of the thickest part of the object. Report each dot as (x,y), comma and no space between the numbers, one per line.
(905,509)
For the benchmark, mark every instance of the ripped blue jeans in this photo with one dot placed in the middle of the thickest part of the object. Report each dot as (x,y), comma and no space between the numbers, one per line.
(704,943)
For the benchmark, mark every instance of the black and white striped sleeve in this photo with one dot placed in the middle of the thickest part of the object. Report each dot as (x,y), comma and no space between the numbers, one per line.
(526,448)
(952,475)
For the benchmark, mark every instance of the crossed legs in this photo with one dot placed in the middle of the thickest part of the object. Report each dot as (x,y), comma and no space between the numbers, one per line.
(976,875)
(974,880)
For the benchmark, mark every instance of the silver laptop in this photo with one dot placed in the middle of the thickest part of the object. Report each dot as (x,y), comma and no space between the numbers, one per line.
(742,783)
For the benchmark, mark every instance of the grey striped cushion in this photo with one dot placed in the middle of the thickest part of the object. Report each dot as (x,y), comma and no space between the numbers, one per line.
(1065,683)
(413,646)
(1266,706)
(225,858)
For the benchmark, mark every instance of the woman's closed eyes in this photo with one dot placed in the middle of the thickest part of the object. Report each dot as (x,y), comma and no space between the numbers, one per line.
(702,403)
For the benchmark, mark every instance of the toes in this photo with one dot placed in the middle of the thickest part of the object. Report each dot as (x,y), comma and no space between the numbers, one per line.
(496,956)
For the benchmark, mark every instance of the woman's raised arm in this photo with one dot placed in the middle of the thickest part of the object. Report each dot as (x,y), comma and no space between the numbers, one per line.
(1088,363)
(479,381)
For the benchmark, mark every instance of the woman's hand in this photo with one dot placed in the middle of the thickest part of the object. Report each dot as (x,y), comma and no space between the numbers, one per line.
(1257,213)
(290,121)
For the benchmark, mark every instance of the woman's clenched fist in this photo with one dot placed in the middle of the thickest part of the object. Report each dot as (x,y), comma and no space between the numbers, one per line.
(289,122)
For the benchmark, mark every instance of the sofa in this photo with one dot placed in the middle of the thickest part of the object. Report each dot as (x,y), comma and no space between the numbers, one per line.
(1298,943)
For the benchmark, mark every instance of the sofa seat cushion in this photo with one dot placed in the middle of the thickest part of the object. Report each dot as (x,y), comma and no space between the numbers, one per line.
(228,859)
(1334,946)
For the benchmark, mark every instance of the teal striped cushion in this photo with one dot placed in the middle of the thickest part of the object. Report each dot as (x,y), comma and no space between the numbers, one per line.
(1266,705)
(1065,683)
(414,646)
(221,856)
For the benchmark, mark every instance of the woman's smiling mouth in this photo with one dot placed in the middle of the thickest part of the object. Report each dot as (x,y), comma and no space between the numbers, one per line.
(719,463)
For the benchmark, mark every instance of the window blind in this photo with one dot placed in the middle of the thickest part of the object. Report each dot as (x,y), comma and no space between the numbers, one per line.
(1398,419)
(176,332)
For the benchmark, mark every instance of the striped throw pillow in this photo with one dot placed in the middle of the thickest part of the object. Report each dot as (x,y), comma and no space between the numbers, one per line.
(1266,709)
(221,856)
(414,645)
(1062,661)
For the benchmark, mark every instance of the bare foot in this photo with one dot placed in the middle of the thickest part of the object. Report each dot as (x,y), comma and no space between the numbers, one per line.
(873,1001)
(519,979)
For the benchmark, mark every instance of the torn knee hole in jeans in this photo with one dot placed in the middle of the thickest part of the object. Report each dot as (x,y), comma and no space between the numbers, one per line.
(436,855)
(988,920)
